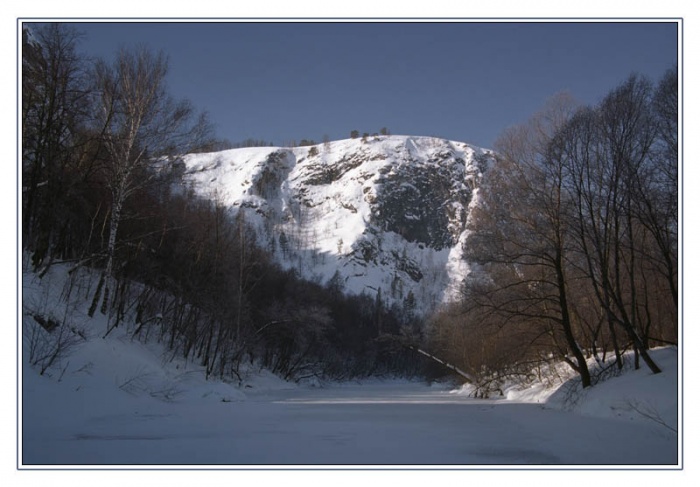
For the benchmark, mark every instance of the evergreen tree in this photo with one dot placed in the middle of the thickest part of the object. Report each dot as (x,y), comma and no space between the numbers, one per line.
(284,244)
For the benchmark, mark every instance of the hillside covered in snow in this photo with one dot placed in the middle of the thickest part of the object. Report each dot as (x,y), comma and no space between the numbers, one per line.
(387,213)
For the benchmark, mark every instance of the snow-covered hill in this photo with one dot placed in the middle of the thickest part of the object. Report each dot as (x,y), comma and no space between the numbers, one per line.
(385,212)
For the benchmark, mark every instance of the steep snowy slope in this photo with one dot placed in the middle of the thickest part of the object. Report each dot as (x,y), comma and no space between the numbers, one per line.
(387,213)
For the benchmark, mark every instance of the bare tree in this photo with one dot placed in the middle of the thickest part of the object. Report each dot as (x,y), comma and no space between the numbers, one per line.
(54,100)
(607,151)
(140,124)
(520,234)
(578,228)
(659,196)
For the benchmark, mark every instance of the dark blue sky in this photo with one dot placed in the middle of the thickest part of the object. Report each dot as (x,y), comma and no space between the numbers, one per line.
(463,81)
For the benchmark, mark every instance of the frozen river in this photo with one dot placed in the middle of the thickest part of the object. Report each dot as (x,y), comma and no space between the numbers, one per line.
(373,424)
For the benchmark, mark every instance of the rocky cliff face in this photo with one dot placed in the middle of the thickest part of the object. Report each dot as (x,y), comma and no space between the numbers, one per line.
(386,213)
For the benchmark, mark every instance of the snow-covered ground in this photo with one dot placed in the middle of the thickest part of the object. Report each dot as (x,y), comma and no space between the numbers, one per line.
(119,402)
(390,423)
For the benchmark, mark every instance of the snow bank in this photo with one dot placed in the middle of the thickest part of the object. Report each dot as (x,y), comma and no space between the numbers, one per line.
(633,395)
